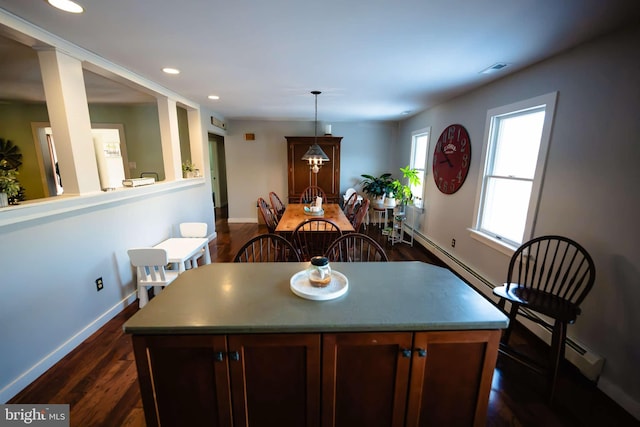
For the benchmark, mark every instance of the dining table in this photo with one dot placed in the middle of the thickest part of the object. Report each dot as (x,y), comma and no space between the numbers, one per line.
(295,213)
(181,250)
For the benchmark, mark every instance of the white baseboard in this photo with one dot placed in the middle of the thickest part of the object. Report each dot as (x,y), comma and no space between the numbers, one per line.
(27,377)
(243,220)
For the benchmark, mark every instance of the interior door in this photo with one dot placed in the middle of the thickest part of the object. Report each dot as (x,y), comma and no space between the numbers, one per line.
(218,170)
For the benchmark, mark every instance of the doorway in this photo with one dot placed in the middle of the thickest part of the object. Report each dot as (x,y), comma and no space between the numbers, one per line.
(218,170)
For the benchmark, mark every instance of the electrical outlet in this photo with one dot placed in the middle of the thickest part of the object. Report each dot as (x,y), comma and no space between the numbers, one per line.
(99,284)
(453,243)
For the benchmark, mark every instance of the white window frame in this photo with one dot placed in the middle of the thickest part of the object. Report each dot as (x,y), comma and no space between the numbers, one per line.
(412,161)
(549,102)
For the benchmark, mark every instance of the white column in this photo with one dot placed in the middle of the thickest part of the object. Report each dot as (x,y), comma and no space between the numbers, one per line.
(68,109)
(170,138)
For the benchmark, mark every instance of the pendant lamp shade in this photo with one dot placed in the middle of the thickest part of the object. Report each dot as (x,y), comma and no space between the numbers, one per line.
(314,155)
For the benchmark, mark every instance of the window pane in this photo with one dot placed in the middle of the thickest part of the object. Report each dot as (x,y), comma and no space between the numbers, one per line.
(417,190)
(517,144)
(419,145)
(505,207)
(419,156)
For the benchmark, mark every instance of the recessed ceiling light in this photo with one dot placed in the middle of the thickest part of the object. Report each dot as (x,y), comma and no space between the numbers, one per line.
(66,5)
(169,70)
(214,97)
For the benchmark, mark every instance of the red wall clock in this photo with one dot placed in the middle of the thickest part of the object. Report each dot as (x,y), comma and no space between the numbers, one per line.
(451,159)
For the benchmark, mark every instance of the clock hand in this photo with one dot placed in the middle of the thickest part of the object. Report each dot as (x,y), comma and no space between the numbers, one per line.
(446,160)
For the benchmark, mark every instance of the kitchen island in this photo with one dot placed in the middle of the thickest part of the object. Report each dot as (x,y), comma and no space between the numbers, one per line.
(230,344)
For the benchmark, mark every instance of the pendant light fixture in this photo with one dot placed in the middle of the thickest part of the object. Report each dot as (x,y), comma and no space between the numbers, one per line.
(314,155)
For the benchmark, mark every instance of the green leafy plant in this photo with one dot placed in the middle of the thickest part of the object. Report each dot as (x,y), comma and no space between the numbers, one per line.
(188,166)
(376,186)
(8,180)
(403,191)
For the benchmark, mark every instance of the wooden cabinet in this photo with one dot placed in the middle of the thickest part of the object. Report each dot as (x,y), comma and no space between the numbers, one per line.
(365,379)
(184,380)
(299,174)
(238,380)
(275,380)
(334,379)
(407,379)
(451,376)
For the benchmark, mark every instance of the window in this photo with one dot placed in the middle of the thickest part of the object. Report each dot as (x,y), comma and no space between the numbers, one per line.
(517,137)
(419,145)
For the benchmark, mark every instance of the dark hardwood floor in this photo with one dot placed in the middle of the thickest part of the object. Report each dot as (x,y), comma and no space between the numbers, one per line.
(98,379)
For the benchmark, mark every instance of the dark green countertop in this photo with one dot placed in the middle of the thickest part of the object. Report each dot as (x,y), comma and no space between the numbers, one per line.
(256,298)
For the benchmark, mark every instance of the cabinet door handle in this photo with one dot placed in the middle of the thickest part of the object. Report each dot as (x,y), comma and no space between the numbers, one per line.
(219,355)
(234,355)
(405,352)
(421,352)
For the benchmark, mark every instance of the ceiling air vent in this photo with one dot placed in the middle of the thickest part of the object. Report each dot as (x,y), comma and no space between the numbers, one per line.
(494,68)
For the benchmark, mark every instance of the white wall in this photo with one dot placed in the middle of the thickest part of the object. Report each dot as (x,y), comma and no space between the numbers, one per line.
(49,264)
(53,250)
(254,168)
(590,191)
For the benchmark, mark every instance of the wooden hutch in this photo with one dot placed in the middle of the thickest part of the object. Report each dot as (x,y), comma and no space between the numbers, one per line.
(299,174)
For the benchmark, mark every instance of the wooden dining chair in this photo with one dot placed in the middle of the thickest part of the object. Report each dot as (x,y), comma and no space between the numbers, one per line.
(356,247)
(150,271)
(310,193)
(350,205)
(193,229)
(277,205)
(267,248)
(360,211)
(270,219)
(548,275)
(312,237)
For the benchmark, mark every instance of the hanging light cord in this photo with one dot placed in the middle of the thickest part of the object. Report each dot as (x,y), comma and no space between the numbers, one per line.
(315,131)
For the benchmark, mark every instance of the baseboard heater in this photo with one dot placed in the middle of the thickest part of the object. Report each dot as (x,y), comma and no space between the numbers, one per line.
(589,363)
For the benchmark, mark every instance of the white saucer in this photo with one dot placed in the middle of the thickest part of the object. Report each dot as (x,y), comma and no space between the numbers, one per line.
(338,286)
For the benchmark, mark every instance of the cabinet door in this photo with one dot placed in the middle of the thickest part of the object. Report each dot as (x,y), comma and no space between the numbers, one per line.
(365,379)
(275,379)
(451,382)
(299,175)
(188,377)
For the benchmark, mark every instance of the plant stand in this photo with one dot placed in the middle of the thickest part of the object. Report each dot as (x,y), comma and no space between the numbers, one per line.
(403,218)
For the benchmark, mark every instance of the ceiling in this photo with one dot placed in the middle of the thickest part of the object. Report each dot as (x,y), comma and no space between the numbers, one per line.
(372,60)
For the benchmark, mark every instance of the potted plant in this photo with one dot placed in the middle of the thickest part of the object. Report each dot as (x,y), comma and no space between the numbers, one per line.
(403,191)
(376,187)
(9,185)
(188,169)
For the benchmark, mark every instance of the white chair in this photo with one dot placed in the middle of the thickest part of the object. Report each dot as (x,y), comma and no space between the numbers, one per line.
(150,271)
(193,229)
(348,194)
